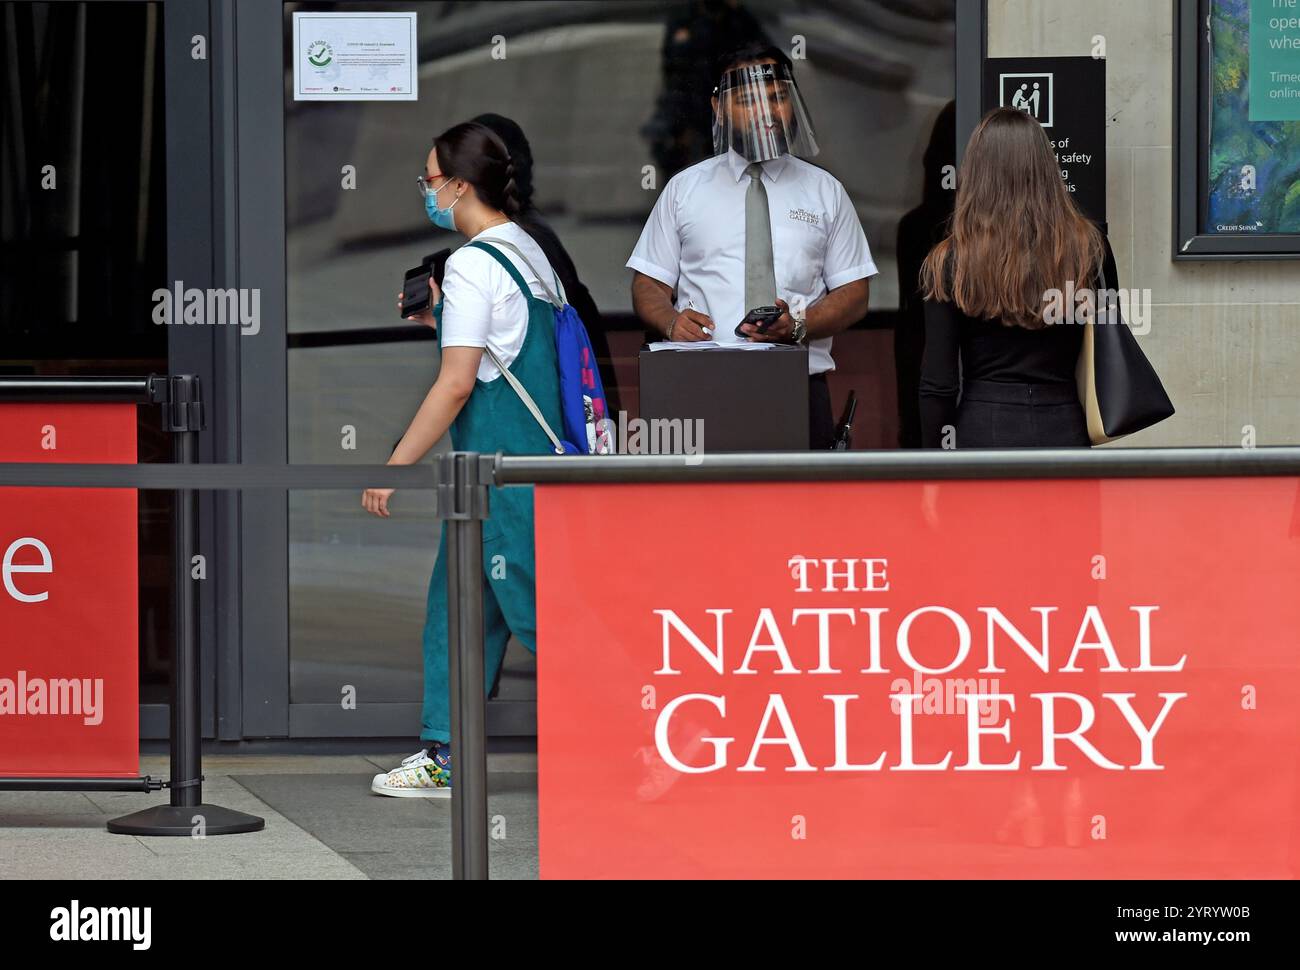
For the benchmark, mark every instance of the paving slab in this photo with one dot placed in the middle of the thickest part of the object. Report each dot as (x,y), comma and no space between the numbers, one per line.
(62,835)
(322,822)
(405,838)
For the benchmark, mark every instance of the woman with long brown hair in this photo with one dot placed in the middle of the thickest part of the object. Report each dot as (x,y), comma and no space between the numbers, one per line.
(994,289)
(1018,248)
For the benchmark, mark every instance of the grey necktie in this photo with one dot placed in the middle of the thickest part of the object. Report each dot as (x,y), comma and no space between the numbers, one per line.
(760,278)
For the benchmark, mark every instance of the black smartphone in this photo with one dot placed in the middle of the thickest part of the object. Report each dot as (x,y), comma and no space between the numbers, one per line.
(762,317)
(415,291)
(415,285)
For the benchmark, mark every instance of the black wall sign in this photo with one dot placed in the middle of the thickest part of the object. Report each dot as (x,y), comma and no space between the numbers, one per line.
(1068,97)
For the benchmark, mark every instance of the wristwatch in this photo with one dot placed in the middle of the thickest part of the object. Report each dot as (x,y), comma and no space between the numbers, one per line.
(800,326)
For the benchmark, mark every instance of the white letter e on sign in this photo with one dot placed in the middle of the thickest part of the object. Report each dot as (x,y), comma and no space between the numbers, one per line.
(46,565)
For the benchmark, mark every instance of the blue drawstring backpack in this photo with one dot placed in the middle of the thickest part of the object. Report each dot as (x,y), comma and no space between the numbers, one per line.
(583,409)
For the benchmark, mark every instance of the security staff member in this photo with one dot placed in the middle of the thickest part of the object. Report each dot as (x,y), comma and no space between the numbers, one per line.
(756,226)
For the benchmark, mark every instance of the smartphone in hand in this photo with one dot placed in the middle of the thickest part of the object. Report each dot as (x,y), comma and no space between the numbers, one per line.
(415,284)
(415,291)
(762,317)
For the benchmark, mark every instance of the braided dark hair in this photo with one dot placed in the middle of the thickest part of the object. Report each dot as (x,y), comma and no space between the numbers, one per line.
(521,153)
(510,203)
(475,153)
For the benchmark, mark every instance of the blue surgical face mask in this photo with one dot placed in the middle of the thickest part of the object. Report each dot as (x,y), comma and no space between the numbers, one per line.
(442,218)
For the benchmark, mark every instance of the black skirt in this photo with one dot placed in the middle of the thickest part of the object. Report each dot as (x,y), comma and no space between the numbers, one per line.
(997,415)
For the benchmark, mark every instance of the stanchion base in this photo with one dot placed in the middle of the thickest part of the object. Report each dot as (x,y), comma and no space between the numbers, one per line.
(187,820)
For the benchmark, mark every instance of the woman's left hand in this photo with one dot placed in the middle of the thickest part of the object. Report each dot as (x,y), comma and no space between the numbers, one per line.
(375,501)
(426,318)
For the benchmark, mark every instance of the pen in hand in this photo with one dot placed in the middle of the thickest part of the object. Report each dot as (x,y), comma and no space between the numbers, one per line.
(690,305)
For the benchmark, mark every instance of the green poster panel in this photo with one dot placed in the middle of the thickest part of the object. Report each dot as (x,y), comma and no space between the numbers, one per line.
(1275,60)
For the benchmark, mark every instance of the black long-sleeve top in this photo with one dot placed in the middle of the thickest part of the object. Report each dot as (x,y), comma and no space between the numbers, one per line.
(960,348)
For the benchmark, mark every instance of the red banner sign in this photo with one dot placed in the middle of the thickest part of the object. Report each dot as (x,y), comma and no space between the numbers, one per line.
(901,679)
(69,693)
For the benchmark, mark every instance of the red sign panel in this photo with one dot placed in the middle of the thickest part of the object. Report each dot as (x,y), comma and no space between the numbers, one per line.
(69,694)
(994,679)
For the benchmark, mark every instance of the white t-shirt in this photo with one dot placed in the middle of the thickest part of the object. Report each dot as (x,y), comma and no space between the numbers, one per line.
(694,240)
(482,305)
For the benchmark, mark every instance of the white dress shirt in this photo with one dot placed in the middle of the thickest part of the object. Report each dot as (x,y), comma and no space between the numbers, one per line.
(694,241)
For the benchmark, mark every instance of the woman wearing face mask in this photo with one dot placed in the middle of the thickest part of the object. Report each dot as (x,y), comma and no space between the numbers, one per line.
(493,303)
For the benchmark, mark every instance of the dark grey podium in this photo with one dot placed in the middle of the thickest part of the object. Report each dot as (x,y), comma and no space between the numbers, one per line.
(749,400)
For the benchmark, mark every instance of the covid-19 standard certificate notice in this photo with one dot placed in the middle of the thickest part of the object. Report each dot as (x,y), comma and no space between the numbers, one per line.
(354,56)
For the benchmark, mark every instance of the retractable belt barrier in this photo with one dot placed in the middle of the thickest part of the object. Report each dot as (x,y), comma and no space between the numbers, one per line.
(461,482)
(79,400)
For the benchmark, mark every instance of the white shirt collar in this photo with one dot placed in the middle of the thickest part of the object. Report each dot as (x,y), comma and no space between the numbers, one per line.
(772,168)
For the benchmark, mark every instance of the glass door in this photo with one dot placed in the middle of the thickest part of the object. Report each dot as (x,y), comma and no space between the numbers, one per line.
(105,198)
(614,100)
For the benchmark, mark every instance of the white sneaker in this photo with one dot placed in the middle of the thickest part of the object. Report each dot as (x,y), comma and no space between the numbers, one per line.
(423,775)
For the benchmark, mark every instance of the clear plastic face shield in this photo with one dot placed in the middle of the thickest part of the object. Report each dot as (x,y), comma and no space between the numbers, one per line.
(761,114)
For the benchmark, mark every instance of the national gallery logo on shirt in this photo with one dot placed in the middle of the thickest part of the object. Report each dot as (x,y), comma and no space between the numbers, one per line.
(803,215)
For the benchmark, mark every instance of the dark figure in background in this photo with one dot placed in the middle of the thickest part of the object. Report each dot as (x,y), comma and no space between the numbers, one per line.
(918,232)
(680,132)
(521,155)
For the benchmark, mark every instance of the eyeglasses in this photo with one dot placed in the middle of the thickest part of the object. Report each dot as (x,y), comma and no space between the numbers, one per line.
(423,183)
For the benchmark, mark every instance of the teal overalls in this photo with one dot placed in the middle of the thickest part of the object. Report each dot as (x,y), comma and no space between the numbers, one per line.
(494,419)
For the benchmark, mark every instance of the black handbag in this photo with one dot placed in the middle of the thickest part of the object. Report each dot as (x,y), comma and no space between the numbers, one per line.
(1118,388)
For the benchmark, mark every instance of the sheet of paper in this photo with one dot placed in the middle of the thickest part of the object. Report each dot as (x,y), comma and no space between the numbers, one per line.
(709,345)
(354,56)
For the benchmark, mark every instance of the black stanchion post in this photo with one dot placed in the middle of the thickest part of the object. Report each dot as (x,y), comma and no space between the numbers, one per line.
(463,502)
(182,407)
(185,415)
